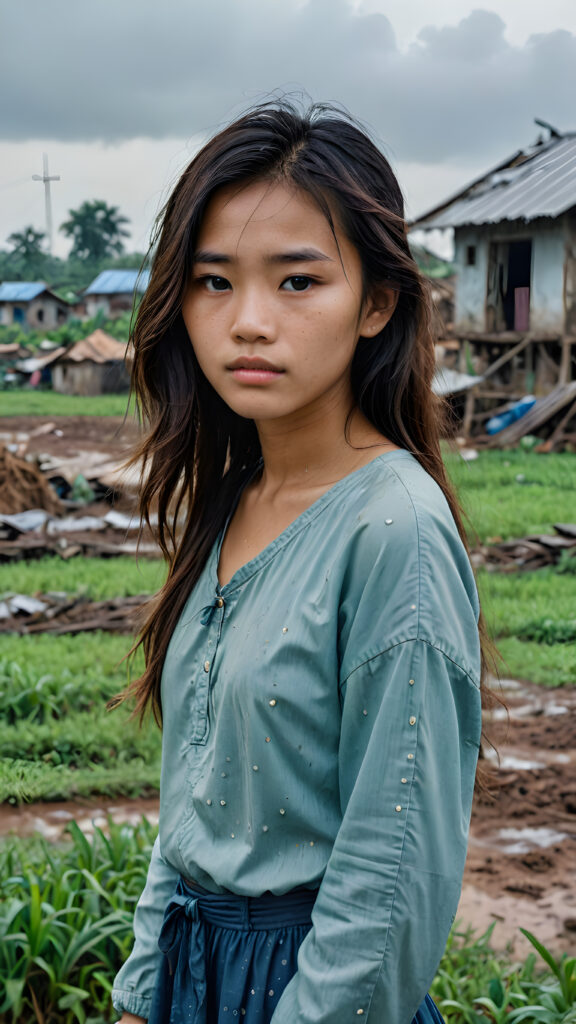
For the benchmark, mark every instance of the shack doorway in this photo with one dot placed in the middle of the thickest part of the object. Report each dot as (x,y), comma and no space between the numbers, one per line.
(508,288)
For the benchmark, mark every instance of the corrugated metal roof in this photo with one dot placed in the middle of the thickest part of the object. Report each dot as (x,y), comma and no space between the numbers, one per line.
(21,291)
(119,282)
(540,182)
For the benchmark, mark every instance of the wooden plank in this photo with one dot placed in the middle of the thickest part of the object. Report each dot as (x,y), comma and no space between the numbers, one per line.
(502,360)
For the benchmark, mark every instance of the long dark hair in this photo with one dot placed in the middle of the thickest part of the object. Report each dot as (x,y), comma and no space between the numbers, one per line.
(197,451)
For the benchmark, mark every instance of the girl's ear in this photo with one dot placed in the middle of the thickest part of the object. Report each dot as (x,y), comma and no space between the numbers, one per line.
(378,311)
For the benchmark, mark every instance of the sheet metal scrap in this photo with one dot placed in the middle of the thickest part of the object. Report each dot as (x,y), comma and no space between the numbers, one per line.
(536,551)
(69,613)
(34,533)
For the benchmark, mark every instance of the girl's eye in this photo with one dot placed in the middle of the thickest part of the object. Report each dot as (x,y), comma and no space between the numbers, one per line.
(298,283)
(213,283)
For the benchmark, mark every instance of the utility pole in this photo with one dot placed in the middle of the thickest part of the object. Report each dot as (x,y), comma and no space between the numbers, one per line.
(45,177)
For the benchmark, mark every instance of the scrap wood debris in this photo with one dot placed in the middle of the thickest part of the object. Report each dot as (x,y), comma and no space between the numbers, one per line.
(23,486)
(60,613)
(536,551)
(35,532)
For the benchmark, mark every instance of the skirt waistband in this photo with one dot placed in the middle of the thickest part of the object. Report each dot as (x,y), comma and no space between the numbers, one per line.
(252,913)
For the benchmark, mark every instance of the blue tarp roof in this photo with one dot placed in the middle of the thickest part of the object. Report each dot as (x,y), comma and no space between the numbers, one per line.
(119,282)
(21,291)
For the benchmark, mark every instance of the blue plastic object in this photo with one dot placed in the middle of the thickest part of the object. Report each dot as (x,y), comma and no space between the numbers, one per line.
(515,412)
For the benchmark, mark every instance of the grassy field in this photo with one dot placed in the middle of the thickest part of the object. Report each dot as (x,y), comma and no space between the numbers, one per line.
(514,493)
(22,402)
(97,578)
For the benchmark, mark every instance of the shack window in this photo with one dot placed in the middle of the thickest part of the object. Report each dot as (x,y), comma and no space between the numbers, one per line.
(470,255)
(40,315)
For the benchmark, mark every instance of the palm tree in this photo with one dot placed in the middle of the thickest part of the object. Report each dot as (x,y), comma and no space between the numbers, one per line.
(96,229)
(27,247)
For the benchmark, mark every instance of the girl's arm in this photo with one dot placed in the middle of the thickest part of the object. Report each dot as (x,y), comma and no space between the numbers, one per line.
(409,744)
(134,983)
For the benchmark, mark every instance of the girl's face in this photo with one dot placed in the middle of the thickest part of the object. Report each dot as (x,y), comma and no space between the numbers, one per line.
(274,309)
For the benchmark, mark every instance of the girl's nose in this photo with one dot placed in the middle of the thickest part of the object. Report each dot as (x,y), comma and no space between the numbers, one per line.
(253,320)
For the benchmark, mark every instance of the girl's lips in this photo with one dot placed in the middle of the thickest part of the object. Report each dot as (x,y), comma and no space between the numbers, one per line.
(255,374)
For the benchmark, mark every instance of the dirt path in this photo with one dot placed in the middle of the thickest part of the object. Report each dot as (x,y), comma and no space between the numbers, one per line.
(521,867)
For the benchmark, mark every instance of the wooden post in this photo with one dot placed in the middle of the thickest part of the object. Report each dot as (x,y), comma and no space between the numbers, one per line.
(468,412)
(564,374)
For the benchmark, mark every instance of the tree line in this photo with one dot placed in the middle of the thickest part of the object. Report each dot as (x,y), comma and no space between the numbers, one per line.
(97,231)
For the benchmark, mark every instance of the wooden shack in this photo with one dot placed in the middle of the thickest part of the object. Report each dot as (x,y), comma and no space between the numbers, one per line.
(97,365)
(515,259)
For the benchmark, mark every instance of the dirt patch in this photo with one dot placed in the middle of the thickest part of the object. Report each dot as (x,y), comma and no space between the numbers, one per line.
(73,434)
(522,856)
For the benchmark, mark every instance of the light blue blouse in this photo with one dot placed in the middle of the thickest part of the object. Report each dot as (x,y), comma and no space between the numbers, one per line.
(321,727)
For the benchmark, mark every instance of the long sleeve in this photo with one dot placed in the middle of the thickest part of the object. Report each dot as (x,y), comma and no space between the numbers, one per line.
(134,983)
(410,736)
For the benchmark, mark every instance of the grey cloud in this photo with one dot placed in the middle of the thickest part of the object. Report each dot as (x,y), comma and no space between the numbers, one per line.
(112,71)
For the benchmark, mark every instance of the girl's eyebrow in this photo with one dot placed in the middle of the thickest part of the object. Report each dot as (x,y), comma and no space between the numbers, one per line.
(291,256)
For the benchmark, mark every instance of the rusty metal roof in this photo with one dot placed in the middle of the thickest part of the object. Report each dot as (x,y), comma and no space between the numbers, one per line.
(537,182)
(98,347)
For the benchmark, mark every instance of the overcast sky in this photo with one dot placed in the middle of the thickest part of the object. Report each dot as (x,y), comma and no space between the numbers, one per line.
(120,93)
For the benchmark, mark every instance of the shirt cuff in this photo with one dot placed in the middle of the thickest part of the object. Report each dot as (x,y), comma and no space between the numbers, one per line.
(131,1002)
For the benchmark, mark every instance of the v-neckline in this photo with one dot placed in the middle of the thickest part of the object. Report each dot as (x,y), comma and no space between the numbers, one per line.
(253,565)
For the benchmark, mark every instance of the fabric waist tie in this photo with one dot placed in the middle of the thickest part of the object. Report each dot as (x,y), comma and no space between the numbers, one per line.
(182,936)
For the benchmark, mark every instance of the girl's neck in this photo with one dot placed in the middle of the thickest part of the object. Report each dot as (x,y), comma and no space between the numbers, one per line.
(315,450)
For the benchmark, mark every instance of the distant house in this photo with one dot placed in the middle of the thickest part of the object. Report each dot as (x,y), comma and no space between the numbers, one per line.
(515,242)
(515,259)
(94,366)
(31,304)
(113,291)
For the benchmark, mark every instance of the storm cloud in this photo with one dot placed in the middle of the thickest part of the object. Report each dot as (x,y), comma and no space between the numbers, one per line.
(113,70)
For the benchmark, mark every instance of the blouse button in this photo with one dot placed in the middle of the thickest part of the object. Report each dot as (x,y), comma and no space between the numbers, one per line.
(220,602)
(412,720)
(206,666)
(398,807)
(359,1013)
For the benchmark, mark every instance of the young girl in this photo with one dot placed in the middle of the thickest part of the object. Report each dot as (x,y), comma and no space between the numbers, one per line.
(314,655)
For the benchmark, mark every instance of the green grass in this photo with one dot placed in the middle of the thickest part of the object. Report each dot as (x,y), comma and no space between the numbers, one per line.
(98,578)
(538,663)
(84,656)
(56,737)
(514,493)
(513,600)
(23,402)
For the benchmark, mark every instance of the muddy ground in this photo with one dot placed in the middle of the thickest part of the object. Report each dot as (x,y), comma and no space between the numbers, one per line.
(521,867)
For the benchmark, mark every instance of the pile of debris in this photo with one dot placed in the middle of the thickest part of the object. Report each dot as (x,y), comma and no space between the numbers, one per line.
(537,551)
(35,532)
(60,613)
(24,486)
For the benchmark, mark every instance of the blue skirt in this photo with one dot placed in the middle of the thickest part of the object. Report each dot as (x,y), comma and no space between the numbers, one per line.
(229,957)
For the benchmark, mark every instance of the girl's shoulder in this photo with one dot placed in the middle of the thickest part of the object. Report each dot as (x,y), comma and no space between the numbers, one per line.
(406,571)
